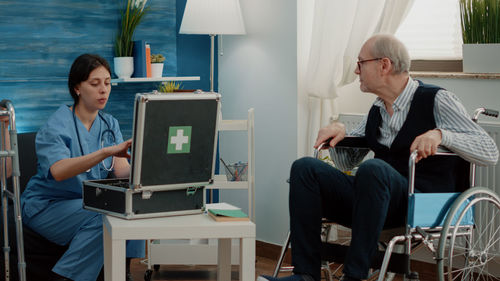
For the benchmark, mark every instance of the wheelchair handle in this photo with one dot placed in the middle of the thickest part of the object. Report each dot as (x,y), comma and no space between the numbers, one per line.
(321,146)
(485,111)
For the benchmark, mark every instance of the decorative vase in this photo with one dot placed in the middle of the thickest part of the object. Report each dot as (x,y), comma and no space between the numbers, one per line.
(123,66)
(156,70)
(481,58)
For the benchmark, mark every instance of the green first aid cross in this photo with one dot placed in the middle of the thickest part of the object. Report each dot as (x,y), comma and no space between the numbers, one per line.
(179,139)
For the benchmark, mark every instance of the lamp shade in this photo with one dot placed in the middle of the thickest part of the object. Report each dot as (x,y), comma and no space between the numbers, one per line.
(212,17)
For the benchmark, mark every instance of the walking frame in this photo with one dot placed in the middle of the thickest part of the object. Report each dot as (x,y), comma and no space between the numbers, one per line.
(13,193)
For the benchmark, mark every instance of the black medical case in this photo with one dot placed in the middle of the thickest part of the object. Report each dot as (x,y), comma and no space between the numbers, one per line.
(172,159)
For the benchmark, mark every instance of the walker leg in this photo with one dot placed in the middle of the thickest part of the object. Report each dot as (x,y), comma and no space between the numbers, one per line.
(19,230)
(6,248)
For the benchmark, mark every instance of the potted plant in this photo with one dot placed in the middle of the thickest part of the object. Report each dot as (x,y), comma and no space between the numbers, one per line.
(169,87)
(131,16)
(480,21)
(157,65)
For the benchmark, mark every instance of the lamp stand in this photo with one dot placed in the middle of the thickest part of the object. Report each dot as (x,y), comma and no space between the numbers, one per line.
(212,39)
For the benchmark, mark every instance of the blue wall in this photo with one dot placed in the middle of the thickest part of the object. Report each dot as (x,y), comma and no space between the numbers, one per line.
(40,39)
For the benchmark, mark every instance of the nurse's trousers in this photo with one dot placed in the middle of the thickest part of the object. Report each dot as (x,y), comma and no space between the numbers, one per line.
(65,222)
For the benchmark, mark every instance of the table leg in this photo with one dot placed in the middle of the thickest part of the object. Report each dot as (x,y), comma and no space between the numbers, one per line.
(247,259)
(114,257)
(224,260)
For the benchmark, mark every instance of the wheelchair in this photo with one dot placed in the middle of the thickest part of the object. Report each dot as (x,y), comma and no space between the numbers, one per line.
(461,230)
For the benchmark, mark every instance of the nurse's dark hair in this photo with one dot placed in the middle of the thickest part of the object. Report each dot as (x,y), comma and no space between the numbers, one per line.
(81,69)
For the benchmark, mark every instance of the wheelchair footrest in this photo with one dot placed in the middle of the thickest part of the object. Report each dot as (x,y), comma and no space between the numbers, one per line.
(336,253)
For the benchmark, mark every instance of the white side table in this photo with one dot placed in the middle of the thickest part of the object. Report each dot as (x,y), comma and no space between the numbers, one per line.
(117,230)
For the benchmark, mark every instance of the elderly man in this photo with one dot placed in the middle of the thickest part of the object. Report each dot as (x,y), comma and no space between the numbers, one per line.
(407,115)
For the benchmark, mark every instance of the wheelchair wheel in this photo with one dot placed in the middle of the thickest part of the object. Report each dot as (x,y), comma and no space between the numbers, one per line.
(471,252)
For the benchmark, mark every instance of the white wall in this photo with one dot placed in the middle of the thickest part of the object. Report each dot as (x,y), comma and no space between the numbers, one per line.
(259,70)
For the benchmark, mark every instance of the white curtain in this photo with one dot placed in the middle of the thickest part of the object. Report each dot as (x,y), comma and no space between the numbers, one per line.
(339,29)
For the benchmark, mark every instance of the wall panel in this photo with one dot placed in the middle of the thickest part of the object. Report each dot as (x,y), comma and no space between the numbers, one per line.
(40,39)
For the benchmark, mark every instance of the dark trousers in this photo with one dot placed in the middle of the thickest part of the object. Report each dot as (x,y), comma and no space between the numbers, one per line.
(376,197)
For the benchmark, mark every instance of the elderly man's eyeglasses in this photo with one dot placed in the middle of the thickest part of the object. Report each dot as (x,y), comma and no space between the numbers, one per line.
(360,62)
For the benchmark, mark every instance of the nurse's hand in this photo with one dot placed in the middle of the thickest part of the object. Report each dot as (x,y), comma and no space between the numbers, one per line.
(120,150)
(70,167)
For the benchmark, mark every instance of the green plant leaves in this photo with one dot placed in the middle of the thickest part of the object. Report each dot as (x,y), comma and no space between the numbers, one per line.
(157,58)
(480,21)
(169,87)
(131,17)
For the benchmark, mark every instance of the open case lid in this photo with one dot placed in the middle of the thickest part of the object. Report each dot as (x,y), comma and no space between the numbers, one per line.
(174,140)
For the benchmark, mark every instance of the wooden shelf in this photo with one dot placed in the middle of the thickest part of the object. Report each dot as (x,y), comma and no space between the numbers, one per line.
(148,80)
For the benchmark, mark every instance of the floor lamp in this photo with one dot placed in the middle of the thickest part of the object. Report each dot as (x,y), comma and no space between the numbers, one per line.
(212,17)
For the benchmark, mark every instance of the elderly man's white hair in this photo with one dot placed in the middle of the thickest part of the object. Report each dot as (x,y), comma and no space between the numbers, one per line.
(388,46)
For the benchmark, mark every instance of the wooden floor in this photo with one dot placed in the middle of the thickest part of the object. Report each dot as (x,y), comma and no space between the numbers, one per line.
(196,272)
(263,265)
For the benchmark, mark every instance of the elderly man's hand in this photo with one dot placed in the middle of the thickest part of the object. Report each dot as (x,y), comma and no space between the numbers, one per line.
(335,131)
(426,144)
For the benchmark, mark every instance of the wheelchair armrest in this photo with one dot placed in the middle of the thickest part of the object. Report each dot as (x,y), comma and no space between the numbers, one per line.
(347,142)
(442,151)
(356,142)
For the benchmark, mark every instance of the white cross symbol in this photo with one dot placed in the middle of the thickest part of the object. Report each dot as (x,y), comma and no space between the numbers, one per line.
(179,140)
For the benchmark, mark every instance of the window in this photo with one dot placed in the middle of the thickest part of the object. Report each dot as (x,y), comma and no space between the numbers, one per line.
(432,31)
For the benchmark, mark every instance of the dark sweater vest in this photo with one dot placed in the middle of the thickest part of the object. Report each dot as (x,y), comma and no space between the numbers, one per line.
(433,174)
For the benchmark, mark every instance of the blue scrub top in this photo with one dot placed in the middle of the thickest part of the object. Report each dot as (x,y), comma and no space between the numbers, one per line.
(57,140)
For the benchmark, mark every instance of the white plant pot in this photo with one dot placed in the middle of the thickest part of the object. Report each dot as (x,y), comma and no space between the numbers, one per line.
(156,70)
(481,58)
(124,66)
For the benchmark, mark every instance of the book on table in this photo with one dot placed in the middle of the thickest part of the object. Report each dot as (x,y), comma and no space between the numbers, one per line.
(226,212)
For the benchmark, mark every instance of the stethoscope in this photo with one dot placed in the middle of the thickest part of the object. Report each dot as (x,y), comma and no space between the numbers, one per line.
(108,132)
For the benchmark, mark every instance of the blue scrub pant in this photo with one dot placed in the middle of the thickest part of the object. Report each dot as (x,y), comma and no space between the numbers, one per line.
(65,222)
(375,197)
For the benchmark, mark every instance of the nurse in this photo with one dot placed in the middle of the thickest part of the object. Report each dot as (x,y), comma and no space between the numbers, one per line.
(77,143)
